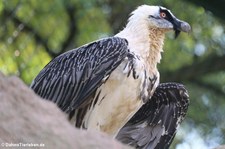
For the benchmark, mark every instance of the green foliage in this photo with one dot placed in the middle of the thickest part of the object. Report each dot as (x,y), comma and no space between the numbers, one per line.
(33,32)
(95,23)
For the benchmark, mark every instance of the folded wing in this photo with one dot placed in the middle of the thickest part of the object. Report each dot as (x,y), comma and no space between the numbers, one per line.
(71,78)
(155,124)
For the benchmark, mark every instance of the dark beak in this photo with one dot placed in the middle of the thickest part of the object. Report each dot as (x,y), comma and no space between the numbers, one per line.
(179,26)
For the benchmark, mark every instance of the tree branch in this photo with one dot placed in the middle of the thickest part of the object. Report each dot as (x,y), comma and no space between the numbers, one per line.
(211,64)
(40,39)
(217,7)
(70,9)
(211,87)
(27,28)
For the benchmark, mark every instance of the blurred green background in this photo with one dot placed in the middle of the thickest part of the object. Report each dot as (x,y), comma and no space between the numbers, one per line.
(33,32)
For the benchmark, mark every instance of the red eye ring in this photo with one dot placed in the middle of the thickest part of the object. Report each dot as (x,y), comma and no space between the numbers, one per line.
(162,14)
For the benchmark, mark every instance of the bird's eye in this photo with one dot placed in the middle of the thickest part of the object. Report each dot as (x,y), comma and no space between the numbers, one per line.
(162,14)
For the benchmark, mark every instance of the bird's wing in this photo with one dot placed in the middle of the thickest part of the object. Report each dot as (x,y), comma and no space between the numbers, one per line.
(72,77)
(155,124)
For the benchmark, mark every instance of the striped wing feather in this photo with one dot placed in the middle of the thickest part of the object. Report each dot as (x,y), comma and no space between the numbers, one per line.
(69,79)
(155,124)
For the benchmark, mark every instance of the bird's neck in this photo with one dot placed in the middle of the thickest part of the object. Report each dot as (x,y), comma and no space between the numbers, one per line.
(156,39)
(147,43)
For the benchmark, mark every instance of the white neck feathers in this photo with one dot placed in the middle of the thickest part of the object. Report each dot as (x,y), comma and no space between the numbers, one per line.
(144,41)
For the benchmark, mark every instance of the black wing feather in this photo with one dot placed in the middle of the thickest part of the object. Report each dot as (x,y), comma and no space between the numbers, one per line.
(72,77)
(155,124)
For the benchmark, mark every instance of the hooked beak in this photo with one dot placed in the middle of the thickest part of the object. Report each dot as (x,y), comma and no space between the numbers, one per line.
(179,26)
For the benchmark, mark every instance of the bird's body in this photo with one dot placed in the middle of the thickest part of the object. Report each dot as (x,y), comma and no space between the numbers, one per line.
(102,84)
(125,101)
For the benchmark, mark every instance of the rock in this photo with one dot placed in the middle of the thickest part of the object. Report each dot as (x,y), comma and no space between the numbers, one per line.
(27,120)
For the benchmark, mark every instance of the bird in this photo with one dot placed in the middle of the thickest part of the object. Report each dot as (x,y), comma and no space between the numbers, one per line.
(102,84)
(155,124)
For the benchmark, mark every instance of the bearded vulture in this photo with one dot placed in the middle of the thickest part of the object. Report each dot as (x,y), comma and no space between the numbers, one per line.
(155,124)
(102,84)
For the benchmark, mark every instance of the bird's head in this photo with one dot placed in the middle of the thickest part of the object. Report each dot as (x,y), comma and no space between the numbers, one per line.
(160,18)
